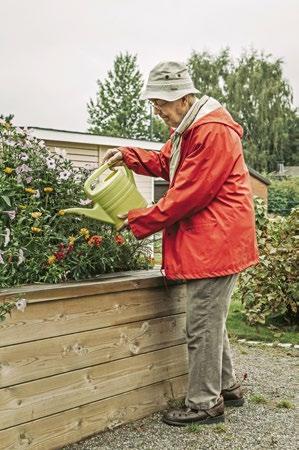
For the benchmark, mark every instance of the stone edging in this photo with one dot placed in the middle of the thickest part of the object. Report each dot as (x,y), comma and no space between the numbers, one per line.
(268,344)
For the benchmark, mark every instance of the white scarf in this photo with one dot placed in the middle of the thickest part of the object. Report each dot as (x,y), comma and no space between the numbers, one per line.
(199,109)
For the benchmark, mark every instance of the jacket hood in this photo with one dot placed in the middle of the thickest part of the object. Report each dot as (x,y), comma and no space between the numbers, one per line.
(214,112)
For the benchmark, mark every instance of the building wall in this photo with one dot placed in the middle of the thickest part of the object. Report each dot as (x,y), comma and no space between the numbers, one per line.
(259,188)
(88,155)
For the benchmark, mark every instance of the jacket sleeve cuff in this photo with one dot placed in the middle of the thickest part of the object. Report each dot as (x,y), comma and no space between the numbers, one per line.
(136,229)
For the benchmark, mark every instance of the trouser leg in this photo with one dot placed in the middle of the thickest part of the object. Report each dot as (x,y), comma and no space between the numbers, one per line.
(207,307)
(228,373)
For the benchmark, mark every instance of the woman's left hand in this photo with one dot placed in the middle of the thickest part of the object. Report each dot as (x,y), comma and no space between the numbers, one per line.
(126,222)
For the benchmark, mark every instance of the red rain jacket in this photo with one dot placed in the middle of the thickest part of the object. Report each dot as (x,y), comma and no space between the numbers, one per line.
(207,214)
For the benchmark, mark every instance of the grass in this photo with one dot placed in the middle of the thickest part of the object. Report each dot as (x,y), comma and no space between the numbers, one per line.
(258,399)
(195,428)
(285,404)
(240,329)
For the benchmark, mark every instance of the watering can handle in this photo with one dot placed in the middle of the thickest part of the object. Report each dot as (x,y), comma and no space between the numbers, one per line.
(93,176)
(130,175)
(99,171)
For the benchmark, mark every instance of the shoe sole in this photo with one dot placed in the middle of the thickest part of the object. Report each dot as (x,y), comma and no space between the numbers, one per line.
(209,421)
(239,402)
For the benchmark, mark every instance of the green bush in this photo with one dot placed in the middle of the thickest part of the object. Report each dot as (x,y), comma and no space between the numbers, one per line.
(37,242)
(269,290)
(283,196)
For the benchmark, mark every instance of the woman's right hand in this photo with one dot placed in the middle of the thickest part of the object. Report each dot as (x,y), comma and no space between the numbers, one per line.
(113,157)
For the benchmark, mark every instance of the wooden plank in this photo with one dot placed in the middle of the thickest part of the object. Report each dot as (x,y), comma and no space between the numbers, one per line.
(44,320)
(33,360)
(83,158)
(70,426)
(71,145)
(35,399)
(123,281)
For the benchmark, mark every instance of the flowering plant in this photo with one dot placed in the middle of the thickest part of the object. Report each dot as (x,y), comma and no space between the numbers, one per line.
(39,244)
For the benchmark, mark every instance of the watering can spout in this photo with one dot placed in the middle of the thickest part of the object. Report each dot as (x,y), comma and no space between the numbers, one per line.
(97,212)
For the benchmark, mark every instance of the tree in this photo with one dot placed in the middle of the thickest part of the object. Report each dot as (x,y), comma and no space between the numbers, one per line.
(255,92)
(209,72)
(117,110)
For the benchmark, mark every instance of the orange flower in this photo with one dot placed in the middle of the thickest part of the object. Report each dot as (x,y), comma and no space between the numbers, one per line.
(36,230)
(95,241)
(119,239)
(8,170)
(51,259)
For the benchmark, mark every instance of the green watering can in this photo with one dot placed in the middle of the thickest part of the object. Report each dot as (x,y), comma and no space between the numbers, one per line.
(117,194)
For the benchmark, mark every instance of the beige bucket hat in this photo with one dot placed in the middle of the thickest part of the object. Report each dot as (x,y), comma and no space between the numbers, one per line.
(168,80)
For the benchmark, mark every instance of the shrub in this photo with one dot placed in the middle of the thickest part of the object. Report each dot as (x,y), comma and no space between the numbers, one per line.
(39,244)
(269,290)
(283,196)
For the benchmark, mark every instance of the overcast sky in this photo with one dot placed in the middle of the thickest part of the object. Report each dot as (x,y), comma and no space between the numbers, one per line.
(53,51)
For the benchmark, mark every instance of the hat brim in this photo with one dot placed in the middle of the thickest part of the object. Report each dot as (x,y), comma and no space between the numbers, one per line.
(169,96)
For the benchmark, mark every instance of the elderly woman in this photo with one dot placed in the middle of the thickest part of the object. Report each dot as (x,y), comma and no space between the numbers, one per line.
(207,218)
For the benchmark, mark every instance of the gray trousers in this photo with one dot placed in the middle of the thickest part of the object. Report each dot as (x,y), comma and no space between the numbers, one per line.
(210,362)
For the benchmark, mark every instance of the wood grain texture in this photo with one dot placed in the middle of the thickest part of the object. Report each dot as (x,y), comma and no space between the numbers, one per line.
(38,359)
(107,283)
(35,399)
(61,317)
(70,426)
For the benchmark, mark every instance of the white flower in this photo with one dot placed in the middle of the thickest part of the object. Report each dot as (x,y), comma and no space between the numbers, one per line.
(64,175)
(28,180)
(6,237)
(11,214)
(37,194)
(85,202)
(20,131)
(41,144)
(78,178)
(21,304)
(51,163)
(23,156)
(1,259)
(23,169)
(61,153)
(10,142)
(21,257)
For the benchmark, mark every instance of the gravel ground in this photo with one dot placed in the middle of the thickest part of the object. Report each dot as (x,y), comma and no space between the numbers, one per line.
(261,424)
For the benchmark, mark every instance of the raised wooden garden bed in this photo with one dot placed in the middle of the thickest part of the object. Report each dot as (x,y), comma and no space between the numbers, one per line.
(86,356)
